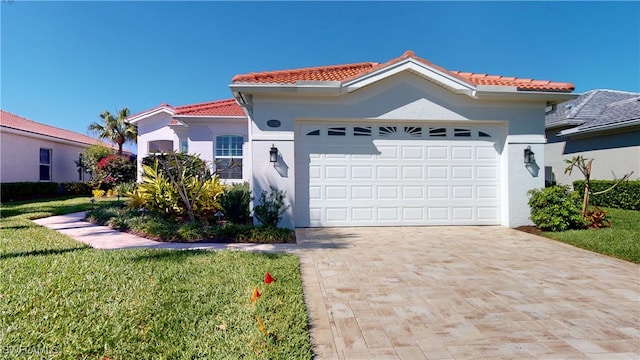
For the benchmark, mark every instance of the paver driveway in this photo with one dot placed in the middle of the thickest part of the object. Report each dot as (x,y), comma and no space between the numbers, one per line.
(465,292)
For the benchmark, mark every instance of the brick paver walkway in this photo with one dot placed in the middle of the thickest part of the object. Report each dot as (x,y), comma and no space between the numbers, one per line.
(465,293)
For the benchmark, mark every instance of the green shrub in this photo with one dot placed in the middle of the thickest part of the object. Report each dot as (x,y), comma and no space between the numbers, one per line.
(27,190)
(180,187)
(556,208)
(126,188)
(270,207)
(235,203)
(76,188)
(115,169)
(268,235)
(624,196)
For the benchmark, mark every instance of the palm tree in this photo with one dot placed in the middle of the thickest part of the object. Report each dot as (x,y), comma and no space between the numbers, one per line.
(117,130)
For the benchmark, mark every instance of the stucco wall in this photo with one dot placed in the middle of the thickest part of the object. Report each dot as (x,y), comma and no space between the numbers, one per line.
(151,129)
(617,153)
(404,97)
(200,134)
(21,158)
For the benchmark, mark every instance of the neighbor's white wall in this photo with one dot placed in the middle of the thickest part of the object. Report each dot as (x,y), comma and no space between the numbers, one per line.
(616,153)
(403,97)
(21,158)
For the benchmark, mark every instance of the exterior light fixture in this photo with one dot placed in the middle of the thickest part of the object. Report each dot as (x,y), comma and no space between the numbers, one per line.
(273,154)
(529,156)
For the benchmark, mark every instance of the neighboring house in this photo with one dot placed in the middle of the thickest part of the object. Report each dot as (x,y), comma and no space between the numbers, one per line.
(216,131)
(404,142)
(603,125)
(31,151)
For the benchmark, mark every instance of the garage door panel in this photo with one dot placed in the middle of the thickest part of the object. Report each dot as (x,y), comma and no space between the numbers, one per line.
(333,172)
(437,172)
(388,192)
(461,153)
(412,192)
(412,172)
(387,172)
(388,214)
(388,152)
(437,153)
(362,214)
(362,192)
(400,177)
(412,153)
(362,172)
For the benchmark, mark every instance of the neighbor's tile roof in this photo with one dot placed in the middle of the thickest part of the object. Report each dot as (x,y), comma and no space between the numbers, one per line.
(228,107)
(348,72)
(13,121)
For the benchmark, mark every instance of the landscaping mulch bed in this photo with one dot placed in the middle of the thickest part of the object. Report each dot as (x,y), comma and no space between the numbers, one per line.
(530,229)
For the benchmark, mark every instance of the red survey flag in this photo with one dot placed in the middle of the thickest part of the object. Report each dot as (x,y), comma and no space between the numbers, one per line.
(255,295)
(268,279)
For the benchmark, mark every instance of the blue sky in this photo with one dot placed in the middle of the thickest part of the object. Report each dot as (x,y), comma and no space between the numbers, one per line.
(63,63)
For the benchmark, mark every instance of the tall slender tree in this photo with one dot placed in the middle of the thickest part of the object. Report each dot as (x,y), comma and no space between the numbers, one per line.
(116,129)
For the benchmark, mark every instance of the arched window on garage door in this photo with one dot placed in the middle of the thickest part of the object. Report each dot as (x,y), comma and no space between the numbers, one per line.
(229,156)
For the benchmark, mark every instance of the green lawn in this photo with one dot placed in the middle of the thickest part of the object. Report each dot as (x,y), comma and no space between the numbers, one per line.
(621,240)
(60,299)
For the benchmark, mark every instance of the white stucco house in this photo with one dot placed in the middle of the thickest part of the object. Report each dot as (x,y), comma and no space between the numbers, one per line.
(31,151)
(601,124)
(405,142)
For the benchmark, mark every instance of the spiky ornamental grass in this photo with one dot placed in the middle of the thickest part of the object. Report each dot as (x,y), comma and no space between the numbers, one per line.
(60,299)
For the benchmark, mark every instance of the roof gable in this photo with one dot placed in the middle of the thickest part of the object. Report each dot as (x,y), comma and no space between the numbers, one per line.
(162,108)
(350,72)
(12,121)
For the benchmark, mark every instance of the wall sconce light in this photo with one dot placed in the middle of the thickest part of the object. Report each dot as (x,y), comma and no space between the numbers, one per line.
(529,156)
(273,154)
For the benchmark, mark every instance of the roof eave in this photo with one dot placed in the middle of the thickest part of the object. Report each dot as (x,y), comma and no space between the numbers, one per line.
(300,87)
(608,127)
(512,93)
(146,114)
(563,123)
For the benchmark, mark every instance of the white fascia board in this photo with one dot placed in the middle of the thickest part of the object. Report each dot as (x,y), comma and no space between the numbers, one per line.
(443,79)
(134,119)
(577,131)
(304,87)
(526,139)
(565,122)
(511,93)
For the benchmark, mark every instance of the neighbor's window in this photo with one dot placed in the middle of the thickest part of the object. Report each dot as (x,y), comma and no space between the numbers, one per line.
(45,164)
(160,146)
(229,156)
(184,147)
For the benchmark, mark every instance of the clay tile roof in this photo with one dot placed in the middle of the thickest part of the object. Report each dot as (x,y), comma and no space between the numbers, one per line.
(228,107)
(348,72)
(12,121)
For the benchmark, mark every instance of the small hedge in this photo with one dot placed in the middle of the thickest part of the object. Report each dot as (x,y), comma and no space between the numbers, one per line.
(27,190)
(16,191)
(624,196)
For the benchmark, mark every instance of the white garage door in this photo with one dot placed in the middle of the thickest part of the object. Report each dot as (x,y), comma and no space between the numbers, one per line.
(395,174)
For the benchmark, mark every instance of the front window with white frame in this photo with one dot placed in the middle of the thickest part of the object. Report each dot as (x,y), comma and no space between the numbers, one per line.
(229,156)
